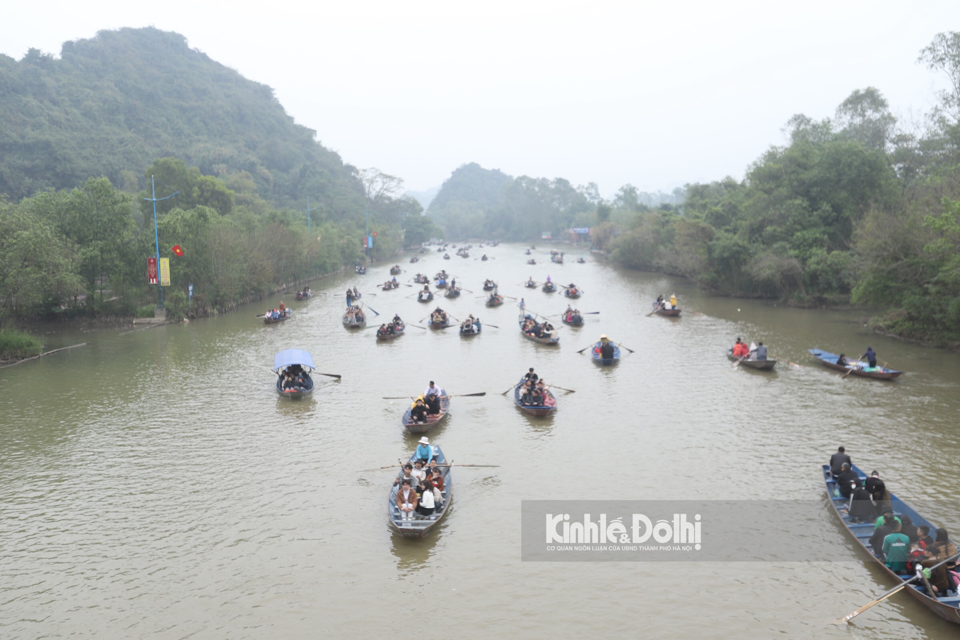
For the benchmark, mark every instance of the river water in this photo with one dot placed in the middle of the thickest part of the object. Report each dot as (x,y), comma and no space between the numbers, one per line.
(152,484)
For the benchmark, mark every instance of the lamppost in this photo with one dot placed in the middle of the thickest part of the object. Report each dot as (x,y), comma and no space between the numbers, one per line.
(156,235)
(308,213)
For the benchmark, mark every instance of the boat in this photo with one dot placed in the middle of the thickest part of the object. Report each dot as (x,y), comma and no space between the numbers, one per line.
(432,421)
(495,300)
(544,340)
(415,259)
(763,365)
(439,325)
(471,329)
(571,292)
(446,256)
(668,313)
(286,314)
(527,252)
(537,411)
(945,607)
(389,285)
(484,258)
(360,270)
(581,260)
(548,287)
(421,279)
(558,259)
(395,270)
(386,337)
(531,261)
(292,357)
(358,322)
(829,360)
(418,526)
(595,355)
(573,319)
(425,298)
(489,285)
(303,295)
(452,293)
(530,284)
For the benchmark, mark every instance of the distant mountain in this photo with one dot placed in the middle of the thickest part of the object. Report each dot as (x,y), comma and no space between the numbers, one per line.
(111,105)
(424,197)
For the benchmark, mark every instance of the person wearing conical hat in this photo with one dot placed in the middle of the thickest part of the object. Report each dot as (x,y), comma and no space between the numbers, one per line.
(606,347)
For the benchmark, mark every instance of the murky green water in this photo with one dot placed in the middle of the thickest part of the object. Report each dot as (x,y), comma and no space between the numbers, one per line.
(152,484)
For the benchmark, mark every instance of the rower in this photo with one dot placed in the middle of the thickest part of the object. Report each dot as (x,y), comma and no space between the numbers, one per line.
(433,389)
(837,461)
(870,356)
(606,347)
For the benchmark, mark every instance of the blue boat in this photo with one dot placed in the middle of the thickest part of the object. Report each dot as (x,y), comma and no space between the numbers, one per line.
(538,411)
(289,358)
(945,607)
(595,354)
(829,360)
(418,526)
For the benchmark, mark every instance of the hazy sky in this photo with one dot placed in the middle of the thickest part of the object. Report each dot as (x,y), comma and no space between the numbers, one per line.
(652,93)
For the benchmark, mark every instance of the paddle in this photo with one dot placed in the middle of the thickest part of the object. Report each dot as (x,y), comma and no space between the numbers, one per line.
(735,364)
(850,616)
(467,395)
(512,387)
(425,317)
(627,348)
(331,375)
(368,294)
(584,349)
(468,290)
(389,466)
(851,368)
(417,326)
(491,325)
(510,297)
(469,465)
(590,313)
(553,386)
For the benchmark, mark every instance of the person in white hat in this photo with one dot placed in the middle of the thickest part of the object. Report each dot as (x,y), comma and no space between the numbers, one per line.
(425,451)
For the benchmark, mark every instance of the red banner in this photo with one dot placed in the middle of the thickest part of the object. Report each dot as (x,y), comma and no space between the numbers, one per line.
(152,270)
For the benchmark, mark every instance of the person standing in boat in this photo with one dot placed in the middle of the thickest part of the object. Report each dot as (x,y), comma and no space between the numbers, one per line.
(531,376)
(870,357)
(522,305)
(433,389)
(349,298)
(673,301)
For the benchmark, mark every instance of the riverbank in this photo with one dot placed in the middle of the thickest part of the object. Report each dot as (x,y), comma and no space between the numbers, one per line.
(18,345)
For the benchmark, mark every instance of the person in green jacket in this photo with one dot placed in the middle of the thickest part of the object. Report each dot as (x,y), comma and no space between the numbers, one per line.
(896,550)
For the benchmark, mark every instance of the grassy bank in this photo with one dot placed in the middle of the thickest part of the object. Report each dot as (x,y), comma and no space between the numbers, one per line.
(16,345)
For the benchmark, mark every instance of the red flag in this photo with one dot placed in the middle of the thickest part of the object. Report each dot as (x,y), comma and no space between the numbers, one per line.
(177,250)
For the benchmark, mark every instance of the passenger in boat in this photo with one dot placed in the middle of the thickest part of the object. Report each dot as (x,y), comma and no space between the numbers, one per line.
(526,397)
(548,399)
(861,508)
(406,499)
(419,411)
(407,474)
(881,533)
(659,305)
(427,504)
(283,307)
(433,404)
(760,352)
(419,473)
(434,476)
(837,460)
(896,549)
(425,452)
(870,357)
(673,301)
(842,361)
(396,320)
(382,331)
(908,529)
(848,480)
(923,536)
(940,578)
(874,484)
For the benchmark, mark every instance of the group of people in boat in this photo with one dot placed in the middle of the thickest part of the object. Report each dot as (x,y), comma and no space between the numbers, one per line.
(742,350)
(421,279)
(534,391)
(470,325)
(439,316)
(870,365)
(427,404)
(539,329)
(360,269)
(306,293)
(421,484)
(901,545)
(572,290)
(572,316)
(426,294)
(392,328)
(354,315)
(663,303)
(352,294)
(294,378)
(277,313)
(390,284)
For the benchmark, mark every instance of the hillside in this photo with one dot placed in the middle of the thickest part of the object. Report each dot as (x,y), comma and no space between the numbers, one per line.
(111,105)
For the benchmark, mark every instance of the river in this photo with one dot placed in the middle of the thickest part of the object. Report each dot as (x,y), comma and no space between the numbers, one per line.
(152,484)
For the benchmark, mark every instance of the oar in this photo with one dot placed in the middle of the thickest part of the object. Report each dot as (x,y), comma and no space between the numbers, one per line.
(372,309)
(425,317)
(590,313)
(467,395)
(737,363)
(512,387)
(368,294)
(850,616)
(397,397)
(467,290)
(627,348)
(553,386)
(510,297)
(851,368)
(417,326)
(389,466)
(584,349)
(331,375)
(469,465)
(491,325)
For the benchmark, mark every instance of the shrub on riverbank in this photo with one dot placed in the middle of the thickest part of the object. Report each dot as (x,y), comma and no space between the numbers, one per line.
(16,345)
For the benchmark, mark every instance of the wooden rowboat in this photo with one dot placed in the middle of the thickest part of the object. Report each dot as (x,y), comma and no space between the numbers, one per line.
(489,285)
(669,313)
(572,294)
(945,607)
(471,329)
(595,355)
(829,360)
(395,270)
(573,319)
(355,323)
(428,298)
(432,421)
(418,526)
(284,315)
(386,337)
(437,326)
(763,365)
(495,300)
(538,411)
(530,284)
(548,287)
(452,293)
(550,342)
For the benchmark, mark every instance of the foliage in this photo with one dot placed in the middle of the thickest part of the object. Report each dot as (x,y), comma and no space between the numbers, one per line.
(15,345)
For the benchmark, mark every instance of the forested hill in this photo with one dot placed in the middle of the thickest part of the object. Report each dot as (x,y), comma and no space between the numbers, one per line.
(111,105)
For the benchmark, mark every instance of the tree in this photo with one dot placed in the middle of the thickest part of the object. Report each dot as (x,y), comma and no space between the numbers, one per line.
(378,186)
(943,54)
(865,117)
(419,229)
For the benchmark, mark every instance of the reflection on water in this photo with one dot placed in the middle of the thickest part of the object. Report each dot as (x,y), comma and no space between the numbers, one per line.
(154,484)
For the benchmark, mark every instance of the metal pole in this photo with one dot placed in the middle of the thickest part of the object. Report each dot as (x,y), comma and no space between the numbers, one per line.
(156,238)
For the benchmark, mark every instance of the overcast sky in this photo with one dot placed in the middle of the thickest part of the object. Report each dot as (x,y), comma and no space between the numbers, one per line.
(656,94)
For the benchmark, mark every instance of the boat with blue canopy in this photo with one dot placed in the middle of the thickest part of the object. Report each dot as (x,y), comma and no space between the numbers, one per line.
(299,363)
(947,608)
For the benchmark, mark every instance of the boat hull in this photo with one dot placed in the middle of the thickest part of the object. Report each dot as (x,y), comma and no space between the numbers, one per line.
(669,313)
(760,365)
(296,395)
(420,526)
(605,362)
(829,360)
(431,423)
(392,336)
(537,412)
